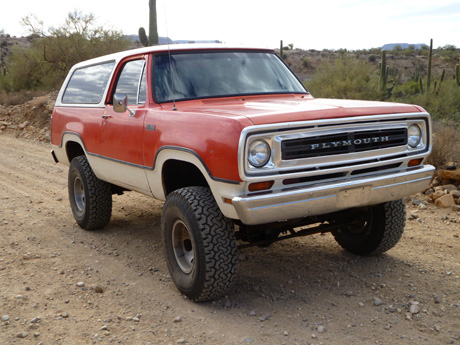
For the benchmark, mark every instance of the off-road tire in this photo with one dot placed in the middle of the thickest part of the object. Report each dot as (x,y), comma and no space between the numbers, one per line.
(381,228)
(90,198)
(199,244)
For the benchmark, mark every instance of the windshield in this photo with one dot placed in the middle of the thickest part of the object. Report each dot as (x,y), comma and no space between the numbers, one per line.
(217,74)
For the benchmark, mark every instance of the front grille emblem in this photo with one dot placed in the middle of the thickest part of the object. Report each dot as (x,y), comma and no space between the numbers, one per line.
(350,142)
(342,143)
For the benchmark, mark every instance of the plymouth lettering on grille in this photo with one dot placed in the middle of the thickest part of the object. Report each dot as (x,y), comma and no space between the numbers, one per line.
(343,143)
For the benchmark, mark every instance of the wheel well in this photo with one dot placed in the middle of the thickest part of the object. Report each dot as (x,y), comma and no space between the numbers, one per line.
(178,174)
(73,150)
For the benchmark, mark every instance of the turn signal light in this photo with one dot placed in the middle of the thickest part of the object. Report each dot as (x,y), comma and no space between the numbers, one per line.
(258,186)
(415,162)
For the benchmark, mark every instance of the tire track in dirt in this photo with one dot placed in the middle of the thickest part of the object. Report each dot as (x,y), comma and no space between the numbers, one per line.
(28,181)
(41,234)
(283,293)
(27,169)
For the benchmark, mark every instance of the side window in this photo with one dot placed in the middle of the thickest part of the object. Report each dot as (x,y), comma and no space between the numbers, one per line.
(130,82)
(87,84)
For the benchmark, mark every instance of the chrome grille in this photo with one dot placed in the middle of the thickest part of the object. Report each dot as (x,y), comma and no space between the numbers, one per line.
(342,143)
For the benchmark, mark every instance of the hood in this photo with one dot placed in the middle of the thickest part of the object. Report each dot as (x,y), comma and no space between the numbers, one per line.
(291,108)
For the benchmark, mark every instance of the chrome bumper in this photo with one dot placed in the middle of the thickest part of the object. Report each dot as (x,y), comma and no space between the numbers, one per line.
(323,199)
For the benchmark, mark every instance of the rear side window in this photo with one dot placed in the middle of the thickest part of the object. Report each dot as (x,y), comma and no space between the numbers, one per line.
(87,84)
(132,82)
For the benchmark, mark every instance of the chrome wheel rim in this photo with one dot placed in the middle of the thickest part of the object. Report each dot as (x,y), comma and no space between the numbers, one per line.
(183,247)
(79,194)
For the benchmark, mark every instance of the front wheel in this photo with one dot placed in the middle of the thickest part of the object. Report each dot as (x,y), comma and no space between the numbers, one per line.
(376,229)
(199,243)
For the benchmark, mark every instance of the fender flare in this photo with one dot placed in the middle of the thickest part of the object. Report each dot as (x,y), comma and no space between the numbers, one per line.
(167,153)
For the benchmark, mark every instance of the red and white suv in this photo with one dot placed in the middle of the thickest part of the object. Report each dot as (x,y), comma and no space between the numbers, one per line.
(239,150)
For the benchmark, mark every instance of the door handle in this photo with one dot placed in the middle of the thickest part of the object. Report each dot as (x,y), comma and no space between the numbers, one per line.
(106,116)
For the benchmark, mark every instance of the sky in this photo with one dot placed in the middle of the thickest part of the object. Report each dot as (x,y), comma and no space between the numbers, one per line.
(321,24)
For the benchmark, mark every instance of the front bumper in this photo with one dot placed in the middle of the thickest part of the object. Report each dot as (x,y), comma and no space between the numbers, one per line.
(327,198)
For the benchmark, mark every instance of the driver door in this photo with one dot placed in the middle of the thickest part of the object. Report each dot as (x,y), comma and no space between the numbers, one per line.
(121,134)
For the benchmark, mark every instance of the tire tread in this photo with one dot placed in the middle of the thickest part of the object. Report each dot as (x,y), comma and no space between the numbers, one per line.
(219,243)
(99,203)
(395,221)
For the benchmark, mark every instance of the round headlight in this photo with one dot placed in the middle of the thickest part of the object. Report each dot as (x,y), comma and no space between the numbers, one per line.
(258,153)
(414,136)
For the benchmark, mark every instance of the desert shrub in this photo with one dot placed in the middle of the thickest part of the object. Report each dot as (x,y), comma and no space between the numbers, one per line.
(408,52)
(406,90)
(45,64)
(372,58)
(446,144)
(376,51)
(397,49)
(443,105)
(4,82)
(449,52)
(26,69)
(345,77)
(305,61)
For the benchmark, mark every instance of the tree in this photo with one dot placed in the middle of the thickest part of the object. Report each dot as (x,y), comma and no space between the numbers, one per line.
(53,52)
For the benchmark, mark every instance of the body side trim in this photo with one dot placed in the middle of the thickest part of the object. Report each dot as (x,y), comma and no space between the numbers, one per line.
(178,148)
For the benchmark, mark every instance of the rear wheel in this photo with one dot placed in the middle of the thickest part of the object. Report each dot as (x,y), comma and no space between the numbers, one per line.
(376,229)
(199,242)
(90,198)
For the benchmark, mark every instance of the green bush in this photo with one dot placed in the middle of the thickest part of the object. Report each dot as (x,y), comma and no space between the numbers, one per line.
(449,52)
(45,64)
(305,61)
(406,90)
(372,58)
(444,105)
(26,70)
(345,77)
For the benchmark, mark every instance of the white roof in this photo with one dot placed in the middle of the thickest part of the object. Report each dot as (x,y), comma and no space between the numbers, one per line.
(161,48)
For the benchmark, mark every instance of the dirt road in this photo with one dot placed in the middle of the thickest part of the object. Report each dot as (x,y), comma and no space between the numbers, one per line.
(63,285)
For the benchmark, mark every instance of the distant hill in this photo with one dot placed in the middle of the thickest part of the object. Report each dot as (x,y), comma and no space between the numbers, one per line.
(391,46)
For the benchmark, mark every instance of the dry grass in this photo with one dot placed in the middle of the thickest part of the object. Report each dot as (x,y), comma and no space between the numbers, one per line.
(20,97)
(446,145)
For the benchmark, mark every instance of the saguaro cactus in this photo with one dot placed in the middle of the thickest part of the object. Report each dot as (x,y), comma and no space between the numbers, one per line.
(428,75)
(153,27)
(384,70)
(437,86)
(457,74)
(417,72)
(420,84)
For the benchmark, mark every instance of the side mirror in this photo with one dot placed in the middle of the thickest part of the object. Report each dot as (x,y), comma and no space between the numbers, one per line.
(120,104)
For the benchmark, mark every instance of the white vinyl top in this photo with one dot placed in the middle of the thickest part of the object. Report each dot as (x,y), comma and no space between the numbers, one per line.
(162,48)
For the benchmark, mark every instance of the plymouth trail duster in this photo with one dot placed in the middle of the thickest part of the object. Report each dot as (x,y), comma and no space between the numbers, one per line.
(240,152)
